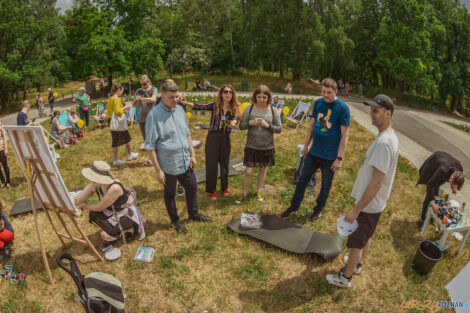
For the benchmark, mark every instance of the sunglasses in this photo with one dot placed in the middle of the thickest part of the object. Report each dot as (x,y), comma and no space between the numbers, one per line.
(144,84)
(226,91)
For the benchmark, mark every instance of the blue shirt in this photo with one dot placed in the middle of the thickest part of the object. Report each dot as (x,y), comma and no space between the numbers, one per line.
(167,133)
(22,119)
(329,117)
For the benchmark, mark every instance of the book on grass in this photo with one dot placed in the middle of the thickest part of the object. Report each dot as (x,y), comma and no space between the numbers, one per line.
(251,220)
(144,254)
(239,167)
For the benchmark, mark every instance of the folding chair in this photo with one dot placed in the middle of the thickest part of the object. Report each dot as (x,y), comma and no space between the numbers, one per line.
(295,119)
(99,108)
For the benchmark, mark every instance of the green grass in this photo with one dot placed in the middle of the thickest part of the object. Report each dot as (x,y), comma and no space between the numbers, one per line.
(211,268)
(462,127)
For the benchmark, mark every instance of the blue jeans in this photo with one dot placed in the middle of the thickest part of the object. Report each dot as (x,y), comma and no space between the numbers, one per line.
(311,165)
(431,192)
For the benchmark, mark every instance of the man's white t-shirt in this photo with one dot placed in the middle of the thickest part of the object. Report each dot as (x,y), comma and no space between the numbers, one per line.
(383,155)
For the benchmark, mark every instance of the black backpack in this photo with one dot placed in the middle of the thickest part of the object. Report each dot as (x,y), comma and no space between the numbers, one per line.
(97,292)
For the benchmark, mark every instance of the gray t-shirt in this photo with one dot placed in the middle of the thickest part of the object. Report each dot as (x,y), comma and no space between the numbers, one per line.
(258,137)
(383,155)
(145,107)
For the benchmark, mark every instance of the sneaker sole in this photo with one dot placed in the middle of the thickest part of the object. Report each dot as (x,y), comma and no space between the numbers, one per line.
(337,285)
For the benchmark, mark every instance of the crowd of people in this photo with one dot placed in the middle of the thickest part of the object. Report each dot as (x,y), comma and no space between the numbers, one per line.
(167,136)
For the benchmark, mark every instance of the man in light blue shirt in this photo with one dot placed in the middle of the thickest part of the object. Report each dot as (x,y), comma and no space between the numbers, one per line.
(169,145)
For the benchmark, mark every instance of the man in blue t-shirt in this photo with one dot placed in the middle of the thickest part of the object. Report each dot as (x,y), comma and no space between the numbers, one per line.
(330,131)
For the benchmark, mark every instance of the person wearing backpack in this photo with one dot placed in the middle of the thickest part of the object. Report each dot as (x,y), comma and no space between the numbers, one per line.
(116,212)
(262,121)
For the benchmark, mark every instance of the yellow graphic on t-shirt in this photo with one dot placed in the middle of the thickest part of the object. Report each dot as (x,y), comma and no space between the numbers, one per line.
(324,121)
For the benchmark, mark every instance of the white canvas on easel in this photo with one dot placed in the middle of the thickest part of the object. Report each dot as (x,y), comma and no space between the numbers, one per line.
(45,183)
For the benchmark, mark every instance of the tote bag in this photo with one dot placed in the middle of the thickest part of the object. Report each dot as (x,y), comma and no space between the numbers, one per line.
(118,123)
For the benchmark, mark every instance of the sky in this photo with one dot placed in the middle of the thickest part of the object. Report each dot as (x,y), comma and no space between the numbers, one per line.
(66,4)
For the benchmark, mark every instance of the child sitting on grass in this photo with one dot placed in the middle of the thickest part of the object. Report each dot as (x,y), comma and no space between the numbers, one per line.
(6,235)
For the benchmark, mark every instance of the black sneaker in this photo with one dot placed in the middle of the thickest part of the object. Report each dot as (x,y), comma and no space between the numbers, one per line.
(179,190)
(107,245)
(200,218)
(288,212)
(129,237)
(180,227)
(315,216)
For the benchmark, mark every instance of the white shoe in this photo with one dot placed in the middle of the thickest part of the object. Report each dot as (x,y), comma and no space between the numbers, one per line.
(338,280)
(132,156)
(119,162)
(358,268)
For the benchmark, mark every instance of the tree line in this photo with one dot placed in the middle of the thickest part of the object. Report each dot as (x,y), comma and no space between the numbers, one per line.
(414,46)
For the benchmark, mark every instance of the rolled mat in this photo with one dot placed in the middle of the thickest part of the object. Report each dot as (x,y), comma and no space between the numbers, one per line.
(24,205)
(292,237)
(201,172)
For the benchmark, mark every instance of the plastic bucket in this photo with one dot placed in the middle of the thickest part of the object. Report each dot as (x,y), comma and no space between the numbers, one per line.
(426,257)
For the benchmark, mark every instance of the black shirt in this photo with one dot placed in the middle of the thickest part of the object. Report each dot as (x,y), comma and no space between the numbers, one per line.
(437,169)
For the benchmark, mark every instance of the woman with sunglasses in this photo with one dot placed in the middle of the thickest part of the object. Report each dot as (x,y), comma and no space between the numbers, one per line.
(225,116)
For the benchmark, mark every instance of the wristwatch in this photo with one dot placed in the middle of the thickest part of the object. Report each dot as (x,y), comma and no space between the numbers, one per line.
(340,158)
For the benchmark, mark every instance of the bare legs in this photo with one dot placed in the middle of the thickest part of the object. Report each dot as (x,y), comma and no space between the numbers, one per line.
(259,182)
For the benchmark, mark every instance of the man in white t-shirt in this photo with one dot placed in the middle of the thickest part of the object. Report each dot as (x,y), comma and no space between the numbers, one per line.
(371,190)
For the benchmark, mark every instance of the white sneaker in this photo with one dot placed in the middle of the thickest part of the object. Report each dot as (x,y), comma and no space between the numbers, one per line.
(338,280)
(119,162)
(132,156)
(358,268)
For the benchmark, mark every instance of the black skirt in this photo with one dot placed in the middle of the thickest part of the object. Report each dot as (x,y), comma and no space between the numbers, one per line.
(120,138)
(100,219)
(258,158)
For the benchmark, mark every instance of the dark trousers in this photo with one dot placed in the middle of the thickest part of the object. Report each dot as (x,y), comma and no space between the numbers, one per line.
(3,160)
(310,166)
(189,183)
(142,129)
(431,192)
(85,115)
(217,153)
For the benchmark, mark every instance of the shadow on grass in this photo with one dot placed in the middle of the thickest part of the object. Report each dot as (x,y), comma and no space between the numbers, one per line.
(405,235)
(292,292)
(32,263)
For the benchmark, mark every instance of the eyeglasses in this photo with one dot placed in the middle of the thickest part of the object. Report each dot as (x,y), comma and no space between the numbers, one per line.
(144,84)
(226,91)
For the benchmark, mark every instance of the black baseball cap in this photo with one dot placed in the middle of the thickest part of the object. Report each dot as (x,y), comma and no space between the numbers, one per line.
(381,101)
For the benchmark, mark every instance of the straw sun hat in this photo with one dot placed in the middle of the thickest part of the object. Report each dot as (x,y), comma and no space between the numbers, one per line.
(99,173)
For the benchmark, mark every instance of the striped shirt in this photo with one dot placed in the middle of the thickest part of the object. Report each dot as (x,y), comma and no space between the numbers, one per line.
(219,122)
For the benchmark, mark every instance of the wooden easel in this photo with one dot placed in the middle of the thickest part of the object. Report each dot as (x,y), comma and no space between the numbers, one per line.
(37,173)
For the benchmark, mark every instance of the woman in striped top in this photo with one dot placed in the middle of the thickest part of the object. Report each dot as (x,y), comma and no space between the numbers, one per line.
(225,115)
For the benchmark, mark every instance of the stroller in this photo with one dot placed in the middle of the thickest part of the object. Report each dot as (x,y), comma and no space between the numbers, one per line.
(97,292)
